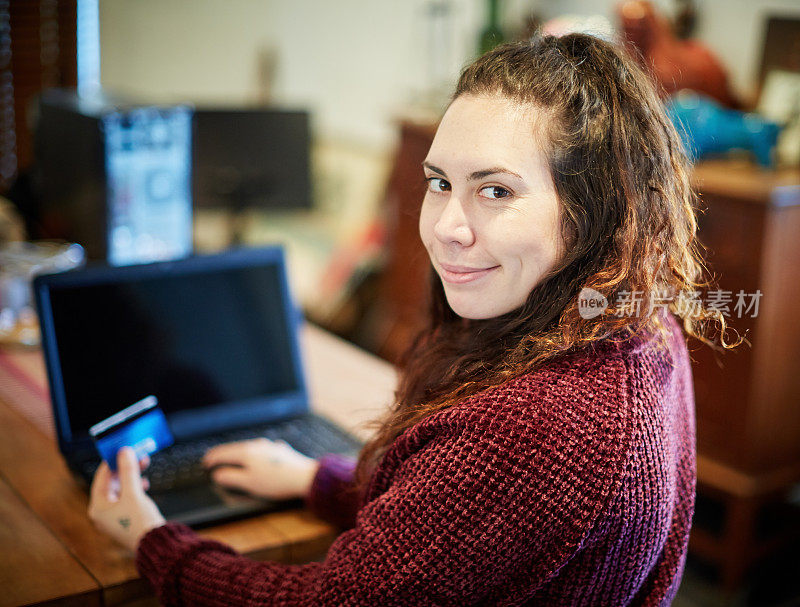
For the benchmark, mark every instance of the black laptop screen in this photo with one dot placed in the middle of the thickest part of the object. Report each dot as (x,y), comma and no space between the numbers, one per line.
(197,341)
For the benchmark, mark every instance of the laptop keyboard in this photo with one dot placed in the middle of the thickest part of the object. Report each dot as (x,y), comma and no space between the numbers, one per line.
(180,465)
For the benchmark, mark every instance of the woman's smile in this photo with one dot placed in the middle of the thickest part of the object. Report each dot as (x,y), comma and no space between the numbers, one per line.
(463,274)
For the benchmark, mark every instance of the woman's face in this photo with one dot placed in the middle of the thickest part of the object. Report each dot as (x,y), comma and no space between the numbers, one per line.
(490,217)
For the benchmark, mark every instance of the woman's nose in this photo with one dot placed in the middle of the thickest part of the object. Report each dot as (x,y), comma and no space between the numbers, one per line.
(453,224)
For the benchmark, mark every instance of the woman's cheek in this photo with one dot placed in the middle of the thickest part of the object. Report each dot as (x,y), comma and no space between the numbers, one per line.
(426,224)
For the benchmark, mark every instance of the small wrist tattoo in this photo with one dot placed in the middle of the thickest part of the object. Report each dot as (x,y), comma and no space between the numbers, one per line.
(125,522)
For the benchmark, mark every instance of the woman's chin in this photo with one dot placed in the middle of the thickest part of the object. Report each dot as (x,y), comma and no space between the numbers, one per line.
(471,310)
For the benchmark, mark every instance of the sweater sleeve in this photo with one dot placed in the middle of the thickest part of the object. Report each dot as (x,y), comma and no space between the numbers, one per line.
(332,496)
(480,508)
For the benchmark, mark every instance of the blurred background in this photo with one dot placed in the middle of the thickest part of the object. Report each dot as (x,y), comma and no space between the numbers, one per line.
(141,130)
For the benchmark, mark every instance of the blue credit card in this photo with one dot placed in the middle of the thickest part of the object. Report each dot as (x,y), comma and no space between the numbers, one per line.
(141,426)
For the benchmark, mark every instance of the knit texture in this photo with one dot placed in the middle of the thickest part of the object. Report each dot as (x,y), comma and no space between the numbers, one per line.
(332,496)
(572,485)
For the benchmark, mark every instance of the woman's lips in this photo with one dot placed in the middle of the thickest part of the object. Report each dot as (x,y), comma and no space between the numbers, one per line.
(462,274)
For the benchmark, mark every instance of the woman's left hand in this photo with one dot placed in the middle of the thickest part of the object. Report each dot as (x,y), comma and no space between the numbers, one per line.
(118,504)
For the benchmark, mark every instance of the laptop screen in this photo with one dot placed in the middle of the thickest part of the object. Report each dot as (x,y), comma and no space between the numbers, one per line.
(213,338)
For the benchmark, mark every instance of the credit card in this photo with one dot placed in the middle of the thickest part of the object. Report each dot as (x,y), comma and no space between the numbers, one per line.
(141,426)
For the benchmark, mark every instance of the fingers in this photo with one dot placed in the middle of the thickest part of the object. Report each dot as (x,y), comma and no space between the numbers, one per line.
(235,478)
(101,484)
(231,454)
(130,478)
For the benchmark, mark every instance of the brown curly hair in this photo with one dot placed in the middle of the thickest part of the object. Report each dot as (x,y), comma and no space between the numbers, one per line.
(628,218)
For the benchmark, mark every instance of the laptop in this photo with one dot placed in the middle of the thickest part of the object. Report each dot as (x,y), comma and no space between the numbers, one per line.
(214,338)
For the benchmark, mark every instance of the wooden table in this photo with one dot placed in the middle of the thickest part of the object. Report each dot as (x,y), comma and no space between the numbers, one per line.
(50,553)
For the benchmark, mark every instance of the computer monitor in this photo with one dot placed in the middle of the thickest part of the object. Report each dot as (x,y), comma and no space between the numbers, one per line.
(251,158)
(115,177)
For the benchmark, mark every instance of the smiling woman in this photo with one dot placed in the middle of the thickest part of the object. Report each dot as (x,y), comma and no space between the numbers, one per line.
(533,455)
(492,233)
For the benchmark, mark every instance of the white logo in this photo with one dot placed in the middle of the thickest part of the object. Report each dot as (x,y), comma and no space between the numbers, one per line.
(591,303)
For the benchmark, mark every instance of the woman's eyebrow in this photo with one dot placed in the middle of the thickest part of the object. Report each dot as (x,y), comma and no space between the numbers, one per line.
(435,169)
(492,171)
(474,176)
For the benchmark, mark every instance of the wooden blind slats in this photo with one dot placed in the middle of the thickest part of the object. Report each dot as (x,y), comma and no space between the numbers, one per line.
(38,50)
(8,143)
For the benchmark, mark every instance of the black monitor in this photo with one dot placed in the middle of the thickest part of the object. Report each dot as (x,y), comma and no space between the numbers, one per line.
(214,337)
(251,158)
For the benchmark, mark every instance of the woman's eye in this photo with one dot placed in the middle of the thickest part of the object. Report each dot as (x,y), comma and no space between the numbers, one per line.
(495,192)
(438,185)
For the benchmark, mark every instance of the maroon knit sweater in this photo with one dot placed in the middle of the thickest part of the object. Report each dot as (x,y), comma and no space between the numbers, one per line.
(573,485)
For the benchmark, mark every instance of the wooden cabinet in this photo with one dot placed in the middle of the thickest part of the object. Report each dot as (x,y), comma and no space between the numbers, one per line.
(399,312)
(748,406)
(748,400)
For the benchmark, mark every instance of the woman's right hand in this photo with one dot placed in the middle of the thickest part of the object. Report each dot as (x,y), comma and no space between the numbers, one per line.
(262,467)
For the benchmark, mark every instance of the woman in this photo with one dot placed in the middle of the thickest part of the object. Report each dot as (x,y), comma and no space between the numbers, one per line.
(538,451)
